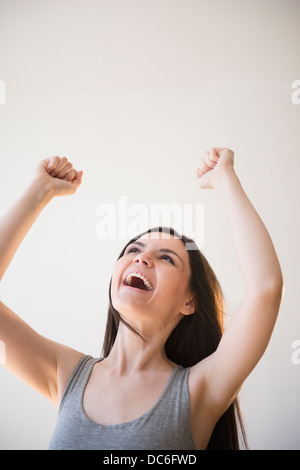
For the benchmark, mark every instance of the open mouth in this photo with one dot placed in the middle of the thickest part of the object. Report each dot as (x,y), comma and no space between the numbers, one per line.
(139,281)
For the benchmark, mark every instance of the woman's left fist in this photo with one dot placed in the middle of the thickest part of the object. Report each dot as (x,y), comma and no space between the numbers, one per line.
(213,162)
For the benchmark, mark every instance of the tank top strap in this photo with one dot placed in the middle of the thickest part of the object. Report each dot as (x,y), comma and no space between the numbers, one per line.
(78,379)
(176,391)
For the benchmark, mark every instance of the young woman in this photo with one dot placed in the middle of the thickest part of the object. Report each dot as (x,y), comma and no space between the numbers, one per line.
(169,375)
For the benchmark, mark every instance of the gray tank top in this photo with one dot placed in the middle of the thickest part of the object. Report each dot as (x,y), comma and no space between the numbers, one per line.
(166,426)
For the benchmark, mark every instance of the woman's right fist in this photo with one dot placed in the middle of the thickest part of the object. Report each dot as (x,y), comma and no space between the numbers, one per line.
(58,176)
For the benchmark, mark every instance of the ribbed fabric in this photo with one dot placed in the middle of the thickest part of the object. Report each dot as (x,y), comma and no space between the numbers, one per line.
(165,426)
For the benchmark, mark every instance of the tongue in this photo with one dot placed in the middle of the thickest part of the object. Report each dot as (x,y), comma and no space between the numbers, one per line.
(138,283)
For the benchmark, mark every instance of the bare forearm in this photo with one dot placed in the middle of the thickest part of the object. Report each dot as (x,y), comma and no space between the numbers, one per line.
(16,222)
(54,176)
(254,248)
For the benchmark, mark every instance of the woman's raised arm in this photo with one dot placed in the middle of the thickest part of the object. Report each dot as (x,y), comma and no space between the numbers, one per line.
(53,177)
(249,331)
(27,354)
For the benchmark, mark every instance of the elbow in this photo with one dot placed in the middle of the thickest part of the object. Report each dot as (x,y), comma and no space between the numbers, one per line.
(271,289)
(276,294)
(276,286)
(276,291)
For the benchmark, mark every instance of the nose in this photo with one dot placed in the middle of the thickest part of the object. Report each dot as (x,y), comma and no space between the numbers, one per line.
(143,259)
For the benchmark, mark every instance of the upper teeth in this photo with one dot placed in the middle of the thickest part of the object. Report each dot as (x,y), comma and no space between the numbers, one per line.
(144,279)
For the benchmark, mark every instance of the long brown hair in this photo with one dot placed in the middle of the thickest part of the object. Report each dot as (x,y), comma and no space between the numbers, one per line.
(195,337)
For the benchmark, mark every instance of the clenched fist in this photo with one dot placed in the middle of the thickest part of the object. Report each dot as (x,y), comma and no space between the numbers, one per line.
(211,166)
(58,176)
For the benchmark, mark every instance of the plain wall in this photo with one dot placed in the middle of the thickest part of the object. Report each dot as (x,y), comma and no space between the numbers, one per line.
(133,92)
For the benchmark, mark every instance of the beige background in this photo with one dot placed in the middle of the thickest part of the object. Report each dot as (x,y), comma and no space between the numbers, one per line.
(133,91)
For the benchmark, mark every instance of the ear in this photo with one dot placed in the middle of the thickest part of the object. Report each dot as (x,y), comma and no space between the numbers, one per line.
(189,306)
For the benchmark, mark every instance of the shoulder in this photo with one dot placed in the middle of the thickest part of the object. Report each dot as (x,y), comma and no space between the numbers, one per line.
(67,359)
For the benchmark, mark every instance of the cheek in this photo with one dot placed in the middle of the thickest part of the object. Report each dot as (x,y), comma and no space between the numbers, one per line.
(113,287)
(172,287)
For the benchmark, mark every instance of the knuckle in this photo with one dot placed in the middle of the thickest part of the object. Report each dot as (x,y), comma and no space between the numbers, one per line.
(71,175)
(53,161)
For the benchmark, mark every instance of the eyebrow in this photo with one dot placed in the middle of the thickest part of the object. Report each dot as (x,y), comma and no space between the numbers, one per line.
(162,250)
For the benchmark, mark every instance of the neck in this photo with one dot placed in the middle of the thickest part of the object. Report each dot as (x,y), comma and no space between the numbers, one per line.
(130,353)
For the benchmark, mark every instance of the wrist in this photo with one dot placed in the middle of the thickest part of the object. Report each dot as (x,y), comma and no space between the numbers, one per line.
(225,175)
(43,192)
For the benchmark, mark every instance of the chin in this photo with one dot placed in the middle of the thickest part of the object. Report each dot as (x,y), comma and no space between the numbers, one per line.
(133,310)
